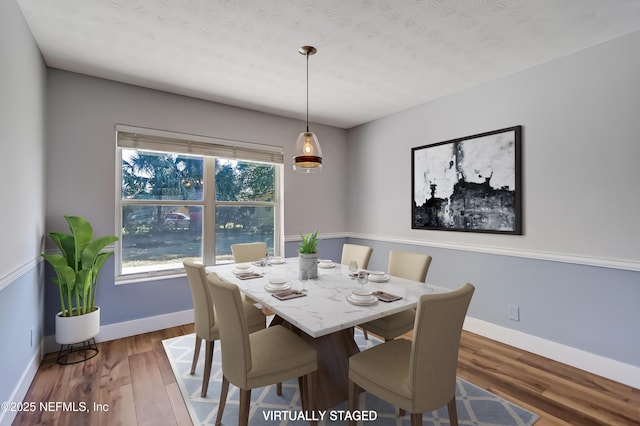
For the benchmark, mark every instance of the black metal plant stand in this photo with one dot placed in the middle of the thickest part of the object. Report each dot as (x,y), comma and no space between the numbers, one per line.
(81,352)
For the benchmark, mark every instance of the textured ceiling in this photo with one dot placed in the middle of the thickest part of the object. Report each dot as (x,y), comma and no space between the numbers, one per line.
(374,57)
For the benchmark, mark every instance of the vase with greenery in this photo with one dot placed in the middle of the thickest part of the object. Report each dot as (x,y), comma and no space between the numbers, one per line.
(309,254)
(77,267)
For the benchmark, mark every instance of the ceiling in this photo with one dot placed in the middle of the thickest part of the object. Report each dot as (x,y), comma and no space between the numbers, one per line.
(375,57)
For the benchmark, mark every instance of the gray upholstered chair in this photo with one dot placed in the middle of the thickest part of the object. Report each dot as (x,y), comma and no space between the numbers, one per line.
(412,266)
(265,357)
(205,318)
(419,375)
(248,252)
(360,254)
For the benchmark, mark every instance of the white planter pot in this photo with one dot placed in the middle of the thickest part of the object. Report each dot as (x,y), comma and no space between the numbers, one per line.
(77,329)
(309,263)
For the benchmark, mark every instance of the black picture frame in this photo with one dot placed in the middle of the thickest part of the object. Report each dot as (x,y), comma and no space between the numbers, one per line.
(469,184)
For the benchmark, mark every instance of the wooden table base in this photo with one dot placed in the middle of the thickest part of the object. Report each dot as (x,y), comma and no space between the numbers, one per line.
(333,351)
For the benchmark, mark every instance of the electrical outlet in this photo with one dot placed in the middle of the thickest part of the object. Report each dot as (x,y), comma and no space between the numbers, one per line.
(514,312)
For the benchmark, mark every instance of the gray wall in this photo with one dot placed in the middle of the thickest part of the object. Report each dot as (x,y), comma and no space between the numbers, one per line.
(574,272)
(22,121)
(81,176)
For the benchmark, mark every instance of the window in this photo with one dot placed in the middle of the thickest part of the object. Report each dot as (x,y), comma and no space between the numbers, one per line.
(190,197)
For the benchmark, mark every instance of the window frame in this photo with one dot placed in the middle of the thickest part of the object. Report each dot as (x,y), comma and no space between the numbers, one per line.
(207,148)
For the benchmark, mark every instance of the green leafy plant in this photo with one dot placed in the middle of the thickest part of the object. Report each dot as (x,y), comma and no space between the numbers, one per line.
(78,266)
(309,242)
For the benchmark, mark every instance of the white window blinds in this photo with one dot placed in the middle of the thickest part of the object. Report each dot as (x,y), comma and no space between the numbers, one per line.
(161,140)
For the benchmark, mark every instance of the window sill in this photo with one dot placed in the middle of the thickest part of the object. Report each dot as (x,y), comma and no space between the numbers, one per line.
(141,278)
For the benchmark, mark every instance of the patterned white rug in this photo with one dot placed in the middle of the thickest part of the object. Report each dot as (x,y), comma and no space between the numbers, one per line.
(475,405)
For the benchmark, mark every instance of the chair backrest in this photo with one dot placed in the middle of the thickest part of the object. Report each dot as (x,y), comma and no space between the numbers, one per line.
(248,252)
(360,254)
(204,312)
(412,266)
(234,332)
(434,351)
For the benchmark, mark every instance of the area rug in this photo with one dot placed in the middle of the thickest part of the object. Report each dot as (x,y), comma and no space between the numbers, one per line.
(475,406)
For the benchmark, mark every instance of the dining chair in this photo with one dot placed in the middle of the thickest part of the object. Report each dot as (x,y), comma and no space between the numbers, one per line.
(263,358)
(359,253)
(411,266)
(420,375)
(248,252)
(206,326)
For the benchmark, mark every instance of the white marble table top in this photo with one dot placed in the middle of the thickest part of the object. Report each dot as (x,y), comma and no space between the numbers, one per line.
(325,308)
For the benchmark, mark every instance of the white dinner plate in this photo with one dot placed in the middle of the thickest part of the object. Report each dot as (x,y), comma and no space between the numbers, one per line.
(378,279)
(276,288)
(372,301)
(242,271)
(326,265)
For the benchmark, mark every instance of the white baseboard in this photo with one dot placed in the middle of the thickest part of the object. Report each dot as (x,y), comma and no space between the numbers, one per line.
(596,364)
(131,328)
(7,417)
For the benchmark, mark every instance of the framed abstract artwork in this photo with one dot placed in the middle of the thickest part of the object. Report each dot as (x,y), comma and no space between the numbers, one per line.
(470,184)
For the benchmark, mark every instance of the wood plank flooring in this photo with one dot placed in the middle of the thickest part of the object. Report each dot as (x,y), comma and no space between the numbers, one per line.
(131,377)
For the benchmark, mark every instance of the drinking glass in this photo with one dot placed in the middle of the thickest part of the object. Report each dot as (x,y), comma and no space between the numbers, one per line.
(353,268)
(304,276)
(363,278)
(263,264)
(268,260)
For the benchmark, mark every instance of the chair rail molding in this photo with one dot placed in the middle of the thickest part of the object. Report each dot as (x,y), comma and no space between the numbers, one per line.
(12,276)
(321,236)
(623,264)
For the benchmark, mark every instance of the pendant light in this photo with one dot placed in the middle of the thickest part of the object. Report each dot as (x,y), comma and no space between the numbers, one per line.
(308,155)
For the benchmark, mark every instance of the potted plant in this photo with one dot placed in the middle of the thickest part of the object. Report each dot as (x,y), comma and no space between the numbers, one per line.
(309,254)
(77,268)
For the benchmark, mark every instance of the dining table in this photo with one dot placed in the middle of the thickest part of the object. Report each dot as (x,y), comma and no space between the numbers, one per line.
(325,313)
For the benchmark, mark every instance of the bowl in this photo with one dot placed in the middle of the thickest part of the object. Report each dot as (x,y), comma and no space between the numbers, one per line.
(377,274)
(361,294)
(277,281)
(242,266)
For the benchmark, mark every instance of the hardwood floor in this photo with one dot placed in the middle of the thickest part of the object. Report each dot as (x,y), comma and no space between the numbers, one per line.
(132,379)
(560,394)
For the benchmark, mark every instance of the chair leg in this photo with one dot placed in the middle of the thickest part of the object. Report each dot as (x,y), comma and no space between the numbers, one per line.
(196,354)
(453,412)
(366,335)
(353,400)
(416,419)
(401,412)
(311,380)
(223,400)
(279,389)
(313,393)
(245,402)
(304,392)
(208,360)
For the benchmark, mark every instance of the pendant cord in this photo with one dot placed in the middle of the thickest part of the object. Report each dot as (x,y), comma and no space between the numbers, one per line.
(307,92)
